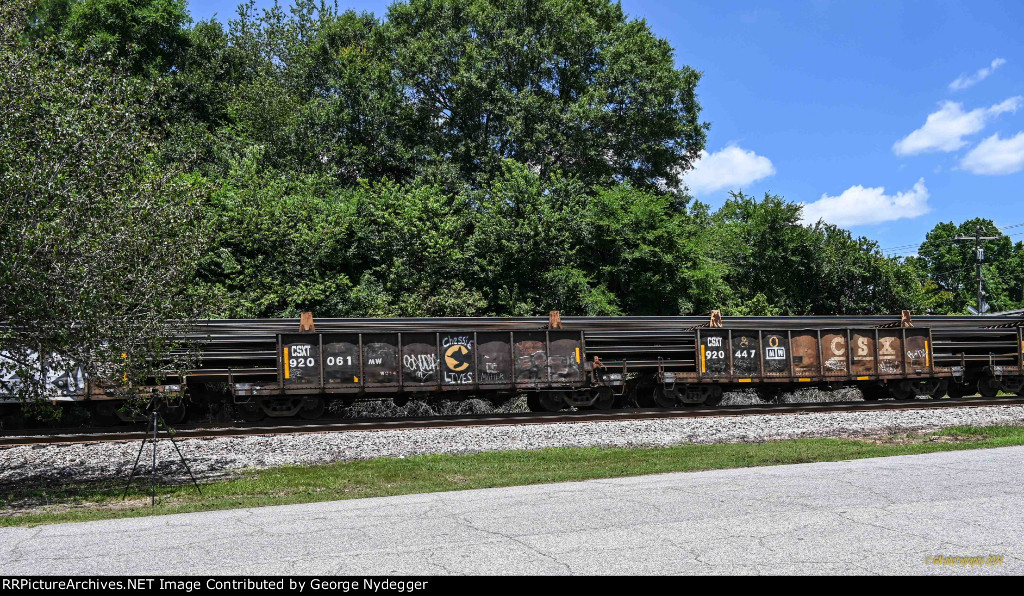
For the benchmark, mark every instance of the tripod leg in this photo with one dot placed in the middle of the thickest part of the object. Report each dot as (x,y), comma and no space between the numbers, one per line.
(135,467)
(152,503)
(182,457)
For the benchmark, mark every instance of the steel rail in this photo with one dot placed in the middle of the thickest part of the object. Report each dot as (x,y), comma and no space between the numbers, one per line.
(257,429)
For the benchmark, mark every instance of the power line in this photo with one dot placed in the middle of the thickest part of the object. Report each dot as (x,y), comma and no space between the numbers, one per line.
(947,240)
(898,251)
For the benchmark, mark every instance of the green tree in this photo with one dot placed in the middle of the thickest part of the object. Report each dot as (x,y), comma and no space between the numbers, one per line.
(778,265)
(411,252)
(280,243)
(313,88)
(148,35)
(948,267)
(572,86)
(99,242)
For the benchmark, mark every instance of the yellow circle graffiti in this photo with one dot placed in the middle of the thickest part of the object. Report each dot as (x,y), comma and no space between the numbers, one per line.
(773,341)
(456,364)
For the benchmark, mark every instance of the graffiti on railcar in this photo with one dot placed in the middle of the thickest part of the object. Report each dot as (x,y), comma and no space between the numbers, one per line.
(495,365)
(380,359)
(420,368)
(458,359)
(531,357)
(491,372)
(745,352)
(889,349)
(835,354)
(61,379)
(565,359)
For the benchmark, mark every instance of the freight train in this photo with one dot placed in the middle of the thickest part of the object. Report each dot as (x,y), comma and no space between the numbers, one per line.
(298,368)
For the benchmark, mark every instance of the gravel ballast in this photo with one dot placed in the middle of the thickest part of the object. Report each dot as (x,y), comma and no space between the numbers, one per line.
(215,457)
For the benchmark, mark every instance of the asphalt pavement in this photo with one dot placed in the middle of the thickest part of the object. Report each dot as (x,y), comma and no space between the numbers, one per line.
(878,516)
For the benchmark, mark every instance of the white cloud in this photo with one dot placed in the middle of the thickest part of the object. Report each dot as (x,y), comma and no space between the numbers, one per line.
(945,129)
(995,156)
(730,168)
(965,81)
(858,205)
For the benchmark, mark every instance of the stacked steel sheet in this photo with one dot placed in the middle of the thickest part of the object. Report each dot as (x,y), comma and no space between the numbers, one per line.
(248,346)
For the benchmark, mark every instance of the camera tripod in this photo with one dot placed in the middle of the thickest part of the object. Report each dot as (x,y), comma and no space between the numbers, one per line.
(155,422)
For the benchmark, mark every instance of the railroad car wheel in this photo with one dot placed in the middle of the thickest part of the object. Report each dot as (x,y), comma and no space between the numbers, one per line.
(988,387)
(665,398)
(644,396)
(533,402)
(552,401)
(175,413)
(713,396)
(958,390)
(605,398)
(312,408)
(940,389)
(901,392)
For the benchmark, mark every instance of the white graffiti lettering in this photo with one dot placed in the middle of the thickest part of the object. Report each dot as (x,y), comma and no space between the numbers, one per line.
(458,378)
(460,340)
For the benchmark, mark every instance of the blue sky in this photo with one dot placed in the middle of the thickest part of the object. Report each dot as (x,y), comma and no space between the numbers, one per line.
(884,117)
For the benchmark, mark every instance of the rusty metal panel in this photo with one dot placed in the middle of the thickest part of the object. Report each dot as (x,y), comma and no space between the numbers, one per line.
(494,359)
(863,348)
(806,362)
(890,352)
(775,348)
(341,359)
(300,360)
(834,353)
(531,357)
(420,364)
(714,353)
(918,351)
(745,354)
(380,358)
(458,360)
(565,356)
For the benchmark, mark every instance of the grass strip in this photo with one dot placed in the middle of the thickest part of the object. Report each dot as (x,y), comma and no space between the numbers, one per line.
(388,476)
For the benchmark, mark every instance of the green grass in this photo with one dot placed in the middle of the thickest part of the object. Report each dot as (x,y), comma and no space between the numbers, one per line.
(432,473)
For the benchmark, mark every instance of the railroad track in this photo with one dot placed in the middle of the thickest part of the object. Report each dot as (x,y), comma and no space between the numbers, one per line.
(240,429)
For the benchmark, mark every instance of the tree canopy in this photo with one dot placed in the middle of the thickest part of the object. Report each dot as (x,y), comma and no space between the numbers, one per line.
(99,240)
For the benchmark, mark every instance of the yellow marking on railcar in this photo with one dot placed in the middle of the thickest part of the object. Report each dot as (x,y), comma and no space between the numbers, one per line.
(927,354)
(804,380)
(703,360)
(287,369)
(863,378)
(744,380)
(577,355)
(356,379)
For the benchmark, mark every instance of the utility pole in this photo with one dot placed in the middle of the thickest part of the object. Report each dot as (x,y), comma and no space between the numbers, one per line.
(979,254)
